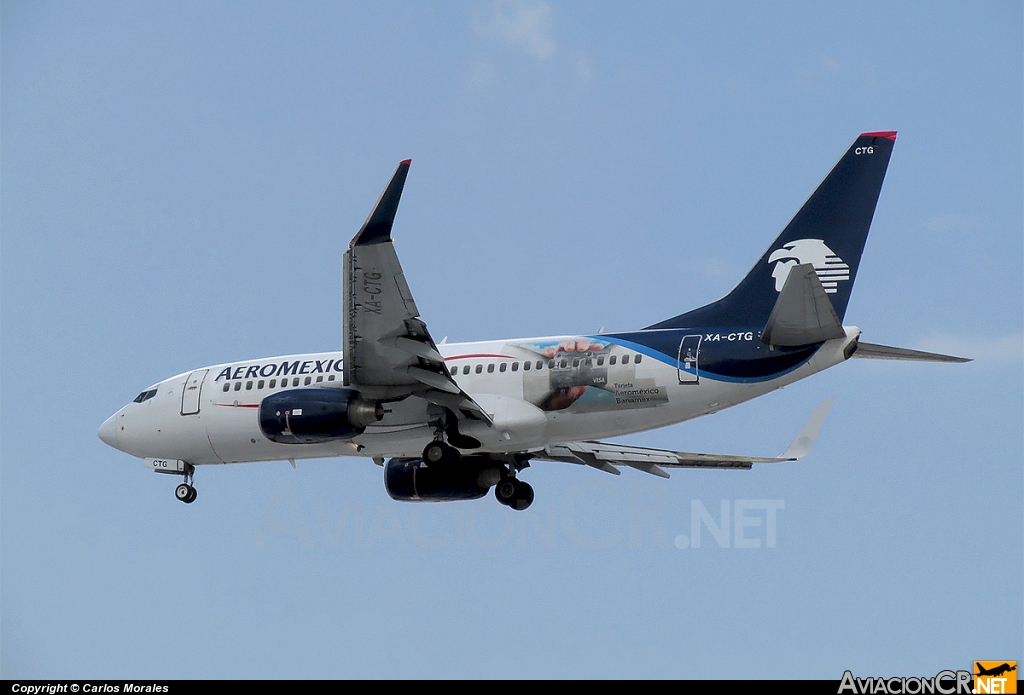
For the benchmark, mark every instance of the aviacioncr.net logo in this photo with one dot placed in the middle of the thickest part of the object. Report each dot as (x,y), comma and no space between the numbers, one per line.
(831,269)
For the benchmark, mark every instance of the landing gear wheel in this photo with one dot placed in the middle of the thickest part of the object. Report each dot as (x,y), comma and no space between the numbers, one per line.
(505,491)
(436,452)
(186,493)
(523,497)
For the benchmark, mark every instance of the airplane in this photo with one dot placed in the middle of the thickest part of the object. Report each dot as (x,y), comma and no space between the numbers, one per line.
(995,671)
(450,421)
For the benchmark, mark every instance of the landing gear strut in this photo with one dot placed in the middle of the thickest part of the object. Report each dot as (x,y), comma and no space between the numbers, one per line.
(185,492)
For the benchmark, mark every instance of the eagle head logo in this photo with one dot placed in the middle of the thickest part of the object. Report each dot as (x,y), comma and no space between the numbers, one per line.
(829,267)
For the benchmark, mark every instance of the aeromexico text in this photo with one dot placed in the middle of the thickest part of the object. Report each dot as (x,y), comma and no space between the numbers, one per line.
(284,369)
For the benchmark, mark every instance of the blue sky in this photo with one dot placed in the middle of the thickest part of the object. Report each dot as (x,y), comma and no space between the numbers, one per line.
(178,182)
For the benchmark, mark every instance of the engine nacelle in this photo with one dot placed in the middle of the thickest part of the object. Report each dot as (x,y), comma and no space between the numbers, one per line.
(314,416)
(412,480)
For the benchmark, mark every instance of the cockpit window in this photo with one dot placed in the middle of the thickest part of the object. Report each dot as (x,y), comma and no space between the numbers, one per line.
(145,396)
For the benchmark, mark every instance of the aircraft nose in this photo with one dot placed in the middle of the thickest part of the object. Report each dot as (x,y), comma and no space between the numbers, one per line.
(108,431)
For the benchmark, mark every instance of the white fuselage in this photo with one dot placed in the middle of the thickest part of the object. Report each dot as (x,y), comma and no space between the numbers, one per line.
(211,415)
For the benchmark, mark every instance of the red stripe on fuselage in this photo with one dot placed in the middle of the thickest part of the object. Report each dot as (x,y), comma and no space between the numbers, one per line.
(469,357)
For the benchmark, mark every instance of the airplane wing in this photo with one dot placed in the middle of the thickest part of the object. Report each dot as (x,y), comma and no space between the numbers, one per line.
(605,457)
(389,354)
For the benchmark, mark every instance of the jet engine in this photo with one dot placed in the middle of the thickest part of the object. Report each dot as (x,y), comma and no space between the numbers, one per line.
(314,416)
(412,480)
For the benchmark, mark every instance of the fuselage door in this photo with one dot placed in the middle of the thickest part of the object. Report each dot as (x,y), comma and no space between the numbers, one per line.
(689,352)
(190,394)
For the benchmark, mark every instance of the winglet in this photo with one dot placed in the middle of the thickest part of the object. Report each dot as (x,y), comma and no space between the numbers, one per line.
(377,228)
(801,446)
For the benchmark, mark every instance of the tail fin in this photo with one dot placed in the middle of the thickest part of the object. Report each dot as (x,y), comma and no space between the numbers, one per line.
(828,232)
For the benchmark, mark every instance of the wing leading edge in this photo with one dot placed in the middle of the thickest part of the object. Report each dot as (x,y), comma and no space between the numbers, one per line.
(606,457)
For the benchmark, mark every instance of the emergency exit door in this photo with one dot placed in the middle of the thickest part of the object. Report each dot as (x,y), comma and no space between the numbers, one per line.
(689,359)
(190,394)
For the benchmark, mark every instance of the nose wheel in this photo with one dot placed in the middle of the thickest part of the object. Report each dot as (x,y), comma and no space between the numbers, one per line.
(185,492)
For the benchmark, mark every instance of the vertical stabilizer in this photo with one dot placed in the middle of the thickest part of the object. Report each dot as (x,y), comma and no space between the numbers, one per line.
(828,232)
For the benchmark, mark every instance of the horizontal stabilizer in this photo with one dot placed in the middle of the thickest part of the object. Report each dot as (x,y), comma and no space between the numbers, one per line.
(803,314)
(884,352)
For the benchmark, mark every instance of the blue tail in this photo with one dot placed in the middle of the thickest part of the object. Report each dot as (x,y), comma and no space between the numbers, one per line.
(828,232)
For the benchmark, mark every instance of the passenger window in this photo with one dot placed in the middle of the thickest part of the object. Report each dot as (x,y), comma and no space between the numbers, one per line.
(526,366)
(551,364)
(319,379)
(490,368)
(479,368)
(589,362)
(637,360)
(238,386)
(465,370)
(248,386)
(330,378)
(295,381)
(227,386)
(613,359)
(455,370)
(260,385)
(273,383)
(625,359)
(308,379)
(576,362)
(600,361)
(503,367)
(515,366)
(563,364)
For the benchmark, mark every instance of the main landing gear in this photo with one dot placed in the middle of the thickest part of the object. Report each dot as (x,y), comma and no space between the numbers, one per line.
(438,451)
(514,493)
(509,490)
(185,492)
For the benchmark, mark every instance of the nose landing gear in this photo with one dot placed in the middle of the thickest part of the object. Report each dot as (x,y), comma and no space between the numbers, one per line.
(185,492)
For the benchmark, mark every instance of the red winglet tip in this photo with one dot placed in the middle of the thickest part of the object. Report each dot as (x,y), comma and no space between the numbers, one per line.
(890,134)
(407,162)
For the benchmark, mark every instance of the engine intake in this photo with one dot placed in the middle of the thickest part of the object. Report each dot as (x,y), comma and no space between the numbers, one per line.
(314,416)
(412,480)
